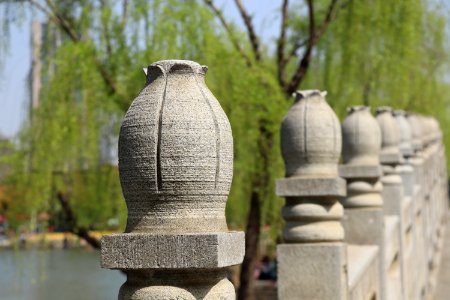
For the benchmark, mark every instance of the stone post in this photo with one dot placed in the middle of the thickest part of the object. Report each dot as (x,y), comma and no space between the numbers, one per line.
(406,172)
(390,158)
(176,165)
(363,207)
(417,161)
(312,260)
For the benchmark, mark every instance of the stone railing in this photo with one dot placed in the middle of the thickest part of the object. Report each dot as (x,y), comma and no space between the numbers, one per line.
(370,228)
(385,241)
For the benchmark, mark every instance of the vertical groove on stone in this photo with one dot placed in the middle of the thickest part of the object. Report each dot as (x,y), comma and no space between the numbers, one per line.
(217,130)
(158,137)
(305,131)
(335,124)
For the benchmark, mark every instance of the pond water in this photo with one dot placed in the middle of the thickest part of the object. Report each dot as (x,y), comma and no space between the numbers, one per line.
(56,274)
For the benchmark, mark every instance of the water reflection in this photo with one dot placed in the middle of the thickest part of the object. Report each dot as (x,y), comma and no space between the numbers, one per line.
(56,274)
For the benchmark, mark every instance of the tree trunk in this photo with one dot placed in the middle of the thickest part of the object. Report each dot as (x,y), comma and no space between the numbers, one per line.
(247,281)
(71,222)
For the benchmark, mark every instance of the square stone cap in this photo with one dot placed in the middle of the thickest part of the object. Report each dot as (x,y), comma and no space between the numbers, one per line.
(361,171)
(309,186)
(172,251)
(391,158)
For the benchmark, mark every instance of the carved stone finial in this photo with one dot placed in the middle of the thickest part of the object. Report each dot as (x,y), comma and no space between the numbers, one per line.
(361,137)
(406,136)
(311,147)
(310,136)
(390,136)
(176,166)
(414,123)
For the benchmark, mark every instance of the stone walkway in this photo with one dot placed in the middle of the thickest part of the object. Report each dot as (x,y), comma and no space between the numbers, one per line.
(443,285)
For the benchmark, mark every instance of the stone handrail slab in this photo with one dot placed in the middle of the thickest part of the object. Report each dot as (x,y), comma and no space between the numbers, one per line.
(391,239)
(177,251)
(363,272)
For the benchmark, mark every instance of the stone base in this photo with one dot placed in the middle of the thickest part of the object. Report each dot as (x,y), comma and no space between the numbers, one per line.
(178,251)
(177,285)
(312,271)
(365,226)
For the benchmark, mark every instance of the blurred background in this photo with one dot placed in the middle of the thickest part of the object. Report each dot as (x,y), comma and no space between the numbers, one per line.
(70,69)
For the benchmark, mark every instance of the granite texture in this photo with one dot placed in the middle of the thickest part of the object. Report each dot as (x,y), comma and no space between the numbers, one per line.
(181,251)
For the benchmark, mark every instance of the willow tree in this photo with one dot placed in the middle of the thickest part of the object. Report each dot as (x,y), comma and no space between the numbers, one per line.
(370,52)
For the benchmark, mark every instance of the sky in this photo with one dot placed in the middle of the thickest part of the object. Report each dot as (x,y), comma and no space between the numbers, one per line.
(14,91)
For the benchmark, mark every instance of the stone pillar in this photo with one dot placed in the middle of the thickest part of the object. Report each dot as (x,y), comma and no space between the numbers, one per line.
(417,162)
(312,260)
(390,158)
(176,165)
(363,207)
(406,172)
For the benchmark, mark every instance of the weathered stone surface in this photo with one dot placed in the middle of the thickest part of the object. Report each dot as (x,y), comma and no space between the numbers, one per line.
(298,186)
(312,271)
(182,251)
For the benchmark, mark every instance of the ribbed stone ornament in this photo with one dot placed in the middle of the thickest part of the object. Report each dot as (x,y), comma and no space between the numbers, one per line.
(175,165)
(311,146)
(390,136)
(406,135)
(416,131)
(310,136)
(175,153)
(361,137)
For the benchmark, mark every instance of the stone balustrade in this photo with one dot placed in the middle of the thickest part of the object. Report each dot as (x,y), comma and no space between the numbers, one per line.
(365,210)
(395,205)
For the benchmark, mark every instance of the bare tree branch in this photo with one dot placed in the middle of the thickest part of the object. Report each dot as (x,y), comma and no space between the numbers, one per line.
(281,60)
(295,48)
(314,36)
(227,28)
(106,30)
(71,220)
(329,16)
(124,12)
(254,41)
(63,22)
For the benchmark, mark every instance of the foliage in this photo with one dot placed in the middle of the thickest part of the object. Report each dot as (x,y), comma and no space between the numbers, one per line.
(373,52)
